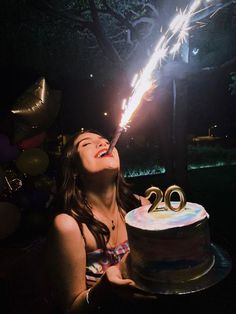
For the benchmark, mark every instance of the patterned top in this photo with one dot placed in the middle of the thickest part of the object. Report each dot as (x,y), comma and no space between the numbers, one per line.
(98,261)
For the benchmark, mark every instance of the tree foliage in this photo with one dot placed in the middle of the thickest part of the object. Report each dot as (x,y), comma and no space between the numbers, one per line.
(232,86)
(104,37)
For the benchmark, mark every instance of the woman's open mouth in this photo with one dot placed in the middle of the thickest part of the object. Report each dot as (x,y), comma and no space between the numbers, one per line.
(103,153)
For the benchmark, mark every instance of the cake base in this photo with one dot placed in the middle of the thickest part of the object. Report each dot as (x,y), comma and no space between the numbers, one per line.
(221,266)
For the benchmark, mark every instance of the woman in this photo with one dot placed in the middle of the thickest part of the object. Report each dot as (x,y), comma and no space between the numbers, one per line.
(89,239)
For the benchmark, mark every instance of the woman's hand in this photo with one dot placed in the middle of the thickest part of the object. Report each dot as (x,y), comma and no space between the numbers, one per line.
(114,276)
(123,286)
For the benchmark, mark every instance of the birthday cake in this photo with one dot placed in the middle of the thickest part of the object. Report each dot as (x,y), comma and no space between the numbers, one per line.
(169,250)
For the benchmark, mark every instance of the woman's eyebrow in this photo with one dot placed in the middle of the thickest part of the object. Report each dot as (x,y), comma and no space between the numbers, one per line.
(83,139)
(89,138)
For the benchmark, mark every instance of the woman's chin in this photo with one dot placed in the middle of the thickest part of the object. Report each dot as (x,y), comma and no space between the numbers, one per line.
(104,171)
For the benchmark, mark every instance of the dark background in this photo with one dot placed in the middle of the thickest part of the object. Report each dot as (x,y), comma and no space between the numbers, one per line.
(43,38)
(38,40)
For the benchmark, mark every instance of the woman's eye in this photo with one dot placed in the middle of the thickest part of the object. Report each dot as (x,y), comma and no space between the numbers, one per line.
(107,142)
(85,144)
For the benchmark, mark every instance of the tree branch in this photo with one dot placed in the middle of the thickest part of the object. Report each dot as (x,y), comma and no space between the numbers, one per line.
(121,19)
(82,23)
(102,40)
(228,62)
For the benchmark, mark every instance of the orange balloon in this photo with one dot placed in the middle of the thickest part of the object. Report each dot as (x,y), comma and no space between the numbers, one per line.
(10,217)
(33,161)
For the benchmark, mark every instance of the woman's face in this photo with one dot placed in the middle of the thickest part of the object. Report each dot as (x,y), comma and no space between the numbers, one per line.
(92,148)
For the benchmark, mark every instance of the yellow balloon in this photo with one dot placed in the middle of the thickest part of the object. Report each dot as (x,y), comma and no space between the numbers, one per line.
(33,161)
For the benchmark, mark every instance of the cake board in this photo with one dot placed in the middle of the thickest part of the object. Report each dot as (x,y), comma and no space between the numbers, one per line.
(221,267)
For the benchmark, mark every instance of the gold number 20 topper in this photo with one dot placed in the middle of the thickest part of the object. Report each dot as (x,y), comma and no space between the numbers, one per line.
(167,198)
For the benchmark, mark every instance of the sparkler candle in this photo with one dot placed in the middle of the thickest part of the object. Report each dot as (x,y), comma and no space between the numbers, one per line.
(118,132)
(169,44)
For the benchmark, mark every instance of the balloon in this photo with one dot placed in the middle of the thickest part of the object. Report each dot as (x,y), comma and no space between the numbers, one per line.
(44,183)
(32,142)
(2,180)
(8,151)
(38,106)
(10,217)
(14,183)
(23,131)
(33,161)
(6,124)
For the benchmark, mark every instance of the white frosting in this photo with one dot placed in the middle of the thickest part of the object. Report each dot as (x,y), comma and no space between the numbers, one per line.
(165,219)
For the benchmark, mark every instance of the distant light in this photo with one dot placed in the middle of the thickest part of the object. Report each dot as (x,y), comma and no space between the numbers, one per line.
(82,129)
(195,51)
(105,113)
(91,75)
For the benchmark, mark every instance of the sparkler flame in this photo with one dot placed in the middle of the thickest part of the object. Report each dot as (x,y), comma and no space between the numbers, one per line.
(169,44)
(179,28)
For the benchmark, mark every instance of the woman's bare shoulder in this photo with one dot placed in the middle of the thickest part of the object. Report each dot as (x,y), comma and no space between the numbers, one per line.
(64,223)
(65,231)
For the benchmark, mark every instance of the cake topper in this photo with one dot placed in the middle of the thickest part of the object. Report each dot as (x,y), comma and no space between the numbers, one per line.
(167,198)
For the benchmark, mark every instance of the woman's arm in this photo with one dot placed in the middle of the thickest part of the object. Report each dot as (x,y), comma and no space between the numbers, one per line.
(66,262)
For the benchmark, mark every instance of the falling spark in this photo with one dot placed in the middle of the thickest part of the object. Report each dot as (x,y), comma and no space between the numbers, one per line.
(169,44)
(215,13)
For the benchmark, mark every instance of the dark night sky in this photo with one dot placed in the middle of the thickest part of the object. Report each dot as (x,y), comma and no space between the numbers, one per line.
(24,59)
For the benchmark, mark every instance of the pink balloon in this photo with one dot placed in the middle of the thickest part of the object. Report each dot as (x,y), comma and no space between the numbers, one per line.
(32,142)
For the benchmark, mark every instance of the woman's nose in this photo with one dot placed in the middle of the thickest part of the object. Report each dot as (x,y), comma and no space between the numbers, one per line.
(101,143)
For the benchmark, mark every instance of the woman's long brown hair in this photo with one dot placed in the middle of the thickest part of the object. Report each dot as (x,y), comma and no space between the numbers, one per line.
(73,194)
